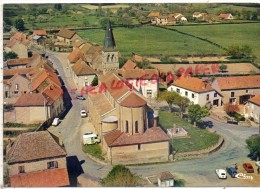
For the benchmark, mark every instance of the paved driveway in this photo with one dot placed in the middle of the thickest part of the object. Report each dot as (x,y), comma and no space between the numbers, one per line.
(196,172)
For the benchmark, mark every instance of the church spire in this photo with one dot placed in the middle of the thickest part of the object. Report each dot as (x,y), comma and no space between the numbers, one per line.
(109,43)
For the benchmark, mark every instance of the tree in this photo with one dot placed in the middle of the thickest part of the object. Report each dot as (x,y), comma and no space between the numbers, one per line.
(85,22)
(19,24)
(246,51)
(223,67)
(103,22)
(10,55)
(120,176)
(253,144)
(235,51)
(95,81)
(167,96)
(58,6)
(182,102)
(196,112)
(126,20)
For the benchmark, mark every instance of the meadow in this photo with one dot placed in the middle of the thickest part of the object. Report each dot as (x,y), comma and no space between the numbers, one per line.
(153,41)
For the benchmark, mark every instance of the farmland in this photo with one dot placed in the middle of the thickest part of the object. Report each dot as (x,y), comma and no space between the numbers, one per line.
(151,41)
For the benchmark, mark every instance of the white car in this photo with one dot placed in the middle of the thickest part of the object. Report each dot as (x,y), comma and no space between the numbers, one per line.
(56,121)
(222,174)
(257,163)
(83,113)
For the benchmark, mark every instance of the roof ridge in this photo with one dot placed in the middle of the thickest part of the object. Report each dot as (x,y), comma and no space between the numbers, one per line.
(14,147)
(117,136)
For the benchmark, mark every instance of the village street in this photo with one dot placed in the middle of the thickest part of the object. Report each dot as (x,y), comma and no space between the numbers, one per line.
(196,172)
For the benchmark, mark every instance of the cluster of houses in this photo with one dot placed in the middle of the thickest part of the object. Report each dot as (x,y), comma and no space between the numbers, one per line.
(158,19)
(241,90)
(117,106)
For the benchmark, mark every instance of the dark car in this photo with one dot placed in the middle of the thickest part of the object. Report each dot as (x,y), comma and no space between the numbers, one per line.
(232,171)
(80,97)
(248,167)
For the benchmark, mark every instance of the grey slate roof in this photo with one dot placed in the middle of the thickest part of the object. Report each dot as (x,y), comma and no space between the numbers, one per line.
(109,43)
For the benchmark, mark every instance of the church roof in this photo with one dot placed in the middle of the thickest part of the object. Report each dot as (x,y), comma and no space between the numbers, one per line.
(109,43)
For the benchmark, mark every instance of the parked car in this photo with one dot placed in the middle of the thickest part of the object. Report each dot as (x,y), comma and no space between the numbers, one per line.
(83,113)
(56,121)
(232,171)
(222,174)
(257,163)
(248,167)
(90,138)
(80,97)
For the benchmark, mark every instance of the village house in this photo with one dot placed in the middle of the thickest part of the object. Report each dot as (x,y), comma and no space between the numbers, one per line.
(68,37)
(126,124)
(227,16)
(145,81)
(18,47)
(37,159)
(24,62)
(237,90)
(38,37)
(179,17)
(252,108)
(83,74)
(196,90)
(153,16)
(165,179)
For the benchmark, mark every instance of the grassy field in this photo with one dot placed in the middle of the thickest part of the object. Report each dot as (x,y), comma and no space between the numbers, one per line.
(148,40)
(200,138)
(94,150)
(228,34)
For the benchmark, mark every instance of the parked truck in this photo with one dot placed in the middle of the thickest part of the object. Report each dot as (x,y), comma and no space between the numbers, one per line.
(90,138)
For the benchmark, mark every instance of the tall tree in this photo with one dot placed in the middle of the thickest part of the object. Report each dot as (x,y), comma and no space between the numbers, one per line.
(196,112)
(167,96)
(120,176)
(223,67)
(19,24)
(182,102)
(253,144)
(10,55)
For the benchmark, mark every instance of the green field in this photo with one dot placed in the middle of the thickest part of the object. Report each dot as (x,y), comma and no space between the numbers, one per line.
(228,34)
(151,41)
(200,138)
(148,40)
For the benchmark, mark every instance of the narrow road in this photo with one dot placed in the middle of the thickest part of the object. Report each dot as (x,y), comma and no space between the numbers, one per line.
(196,172)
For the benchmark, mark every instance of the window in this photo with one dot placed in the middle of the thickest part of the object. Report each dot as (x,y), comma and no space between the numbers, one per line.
(192,95)
(52,164)
(112,58)
(149,93)
(126,127)
(16,87)
(207,96)
(178,90)
(232,94)
(21,169)
(246,91)
(139,146)
(186,93)
(215,94)
(108,57)
(136,127)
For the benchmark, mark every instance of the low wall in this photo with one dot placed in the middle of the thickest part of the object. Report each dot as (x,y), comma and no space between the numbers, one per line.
(188,155)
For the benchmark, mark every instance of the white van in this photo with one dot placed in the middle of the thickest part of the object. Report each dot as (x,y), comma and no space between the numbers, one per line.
(90,138)
(56,121)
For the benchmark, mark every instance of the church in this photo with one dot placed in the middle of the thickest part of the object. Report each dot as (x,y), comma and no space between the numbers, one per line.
(127,125)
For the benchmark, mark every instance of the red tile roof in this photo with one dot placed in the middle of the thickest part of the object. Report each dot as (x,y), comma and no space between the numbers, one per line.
(38,80)
(154,14)
(239,82)
(133,100)
(140,74)
(78,44)
(18,36)
(44,178)
(166,176)
(118,138)
(192,84)
(53,92)
(224,16)
(81,68)
(75,55)
(110,80)
(40,32)
(255,100)
(68,34)
(129,65)
(21,71)
(33,146)
(137,58)
(30,99)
